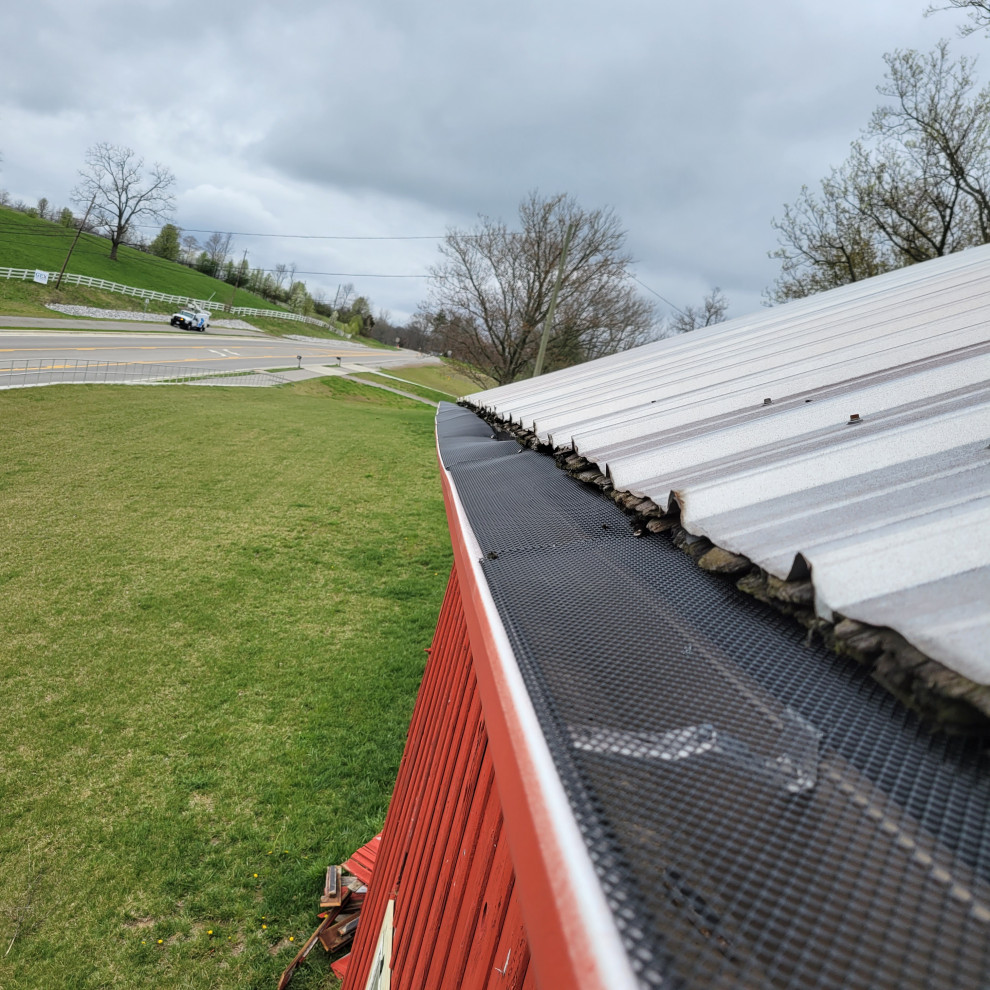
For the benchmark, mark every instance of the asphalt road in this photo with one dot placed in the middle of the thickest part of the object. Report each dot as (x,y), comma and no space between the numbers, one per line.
(216,349)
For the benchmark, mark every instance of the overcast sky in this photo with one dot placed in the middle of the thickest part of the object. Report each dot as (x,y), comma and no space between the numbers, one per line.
(696,122)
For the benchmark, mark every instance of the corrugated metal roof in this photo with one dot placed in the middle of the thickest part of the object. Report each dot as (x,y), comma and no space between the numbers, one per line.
(889,511)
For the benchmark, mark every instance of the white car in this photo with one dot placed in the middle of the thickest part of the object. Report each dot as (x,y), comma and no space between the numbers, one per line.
(191,319)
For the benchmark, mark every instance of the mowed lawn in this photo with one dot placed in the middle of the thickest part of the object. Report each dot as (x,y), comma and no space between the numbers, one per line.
(436,382)
(214,607)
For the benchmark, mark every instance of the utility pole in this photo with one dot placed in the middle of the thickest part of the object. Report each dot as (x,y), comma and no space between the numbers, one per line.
(237,282)
(548,322)
(72,246)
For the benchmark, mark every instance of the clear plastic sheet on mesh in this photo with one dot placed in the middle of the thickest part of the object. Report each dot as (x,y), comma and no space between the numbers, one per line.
(760,813)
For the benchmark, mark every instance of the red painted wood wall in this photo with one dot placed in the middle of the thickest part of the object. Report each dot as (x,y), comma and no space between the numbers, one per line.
(443,855)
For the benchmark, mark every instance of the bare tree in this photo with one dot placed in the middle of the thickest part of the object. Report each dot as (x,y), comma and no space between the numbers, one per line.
(343,295)
(978,12)
(491,290)
(711,311)
(940,130)
(916,186)
(190,248)
(217,248)
(113,179)
(824,242)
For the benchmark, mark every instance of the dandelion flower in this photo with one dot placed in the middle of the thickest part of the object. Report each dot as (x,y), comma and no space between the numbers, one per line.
(210,932)
(160,941)
(264,926)
(256,874)
(292,938)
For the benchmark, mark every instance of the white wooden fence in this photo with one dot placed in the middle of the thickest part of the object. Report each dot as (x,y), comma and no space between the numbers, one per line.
(31,274)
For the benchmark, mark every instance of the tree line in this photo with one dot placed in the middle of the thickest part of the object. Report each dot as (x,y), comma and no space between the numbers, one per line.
(216,257)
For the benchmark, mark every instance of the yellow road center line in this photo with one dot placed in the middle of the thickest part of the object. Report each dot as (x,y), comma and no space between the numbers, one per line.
(280,357)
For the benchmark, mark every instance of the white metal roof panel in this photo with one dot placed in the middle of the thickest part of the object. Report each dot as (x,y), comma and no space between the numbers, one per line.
(891,513)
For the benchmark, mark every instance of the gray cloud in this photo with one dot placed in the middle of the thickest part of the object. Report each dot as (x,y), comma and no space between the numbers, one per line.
(695,122)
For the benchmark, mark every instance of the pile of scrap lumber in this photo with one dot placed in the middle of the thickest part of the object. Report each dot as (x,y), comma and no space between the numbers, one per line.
(340,909)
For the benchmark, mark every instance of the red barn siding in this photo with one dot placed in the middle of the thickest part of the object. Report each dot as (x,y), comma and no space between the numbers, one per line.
(443,856)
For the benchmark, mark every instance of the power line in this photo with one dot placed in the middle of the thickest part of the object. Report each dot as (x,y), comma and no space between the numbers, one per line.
(657,294)
(65,232)
(309,237)
(352,274)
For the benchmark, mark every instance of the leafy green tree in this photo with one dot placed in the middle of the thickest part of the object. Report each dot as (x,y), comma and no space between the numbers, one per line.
(299,300)
(206,264)
(65,218)
(168,243)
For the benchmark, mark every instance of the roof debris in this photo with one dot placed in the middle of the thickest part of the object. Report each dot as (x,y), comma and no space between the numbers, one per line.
(341,901)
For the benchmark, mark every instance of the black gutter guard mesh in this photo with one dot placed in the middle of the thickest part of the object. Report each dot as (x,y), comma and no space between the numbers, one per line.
(759,812)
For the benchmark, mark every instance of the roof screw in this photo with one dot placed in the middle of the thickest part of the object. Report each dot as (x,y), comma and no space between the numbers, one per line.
(768,402)
(854,418)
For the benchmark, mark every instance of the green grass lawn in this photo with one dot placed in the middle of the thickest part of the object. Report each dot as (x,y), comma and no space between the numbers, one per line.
(215,604)
(390,381)
(444,382)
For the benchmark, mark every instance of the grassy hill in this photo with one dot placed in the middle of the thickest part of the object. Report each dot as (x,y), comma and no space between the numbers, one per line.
(27,242)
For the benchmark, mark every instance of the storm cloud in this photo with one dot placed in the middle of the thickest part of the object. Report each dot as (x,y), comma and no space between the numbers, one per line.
(376,119)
